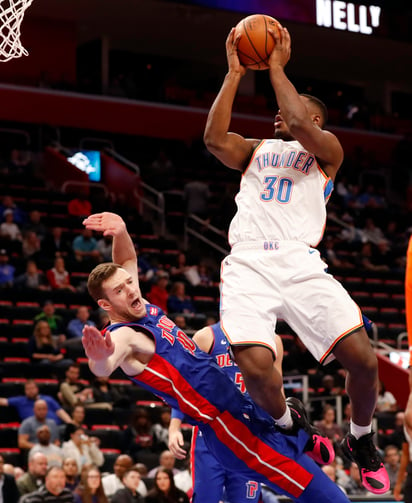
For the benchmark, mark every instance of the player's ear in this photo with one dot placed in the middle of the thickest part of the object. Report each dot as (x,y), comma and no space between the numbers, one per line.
(104,304)
(317,120)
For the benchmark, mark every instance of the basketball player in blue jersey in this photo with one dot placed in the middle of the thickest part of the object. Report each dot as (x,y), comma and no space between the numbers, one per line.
(153,352)
(274,270)
(210,478)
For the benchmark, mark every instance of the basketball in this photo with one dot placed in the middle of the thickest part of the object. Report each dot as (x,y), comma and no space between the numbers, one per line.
(255,44)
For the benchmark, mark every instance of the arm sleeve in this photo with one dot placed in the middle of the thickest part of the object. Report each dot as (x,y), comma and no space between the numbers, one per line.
(176,414)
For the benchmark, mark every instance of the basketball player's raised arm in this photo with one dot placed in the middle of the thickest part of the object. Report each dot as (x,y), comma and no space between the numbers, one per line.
(323,144)
(123,250)
(106,353)
(230,148)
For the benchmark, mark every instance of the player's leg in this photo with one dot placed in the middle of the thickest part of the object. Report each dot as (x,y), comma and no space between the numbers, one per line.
(262,380)
(208,474)
(241,489)
(355,353)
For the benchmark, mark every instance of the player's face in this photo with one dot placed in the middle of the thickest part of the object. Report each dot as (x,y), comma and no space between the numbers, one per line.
(124,297)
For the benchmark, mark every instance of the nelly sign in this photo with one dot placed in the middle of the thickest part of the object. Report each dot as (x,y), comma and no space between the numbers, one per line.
(347,16)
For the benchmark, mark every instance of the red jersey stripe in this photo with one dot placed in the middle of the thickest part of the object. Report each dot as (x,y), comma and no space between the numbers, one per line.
(163,376)
(279,469)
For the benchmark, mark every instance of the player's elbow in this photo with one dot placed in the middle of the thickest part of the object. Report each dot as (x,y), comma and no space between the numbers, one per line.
(211,141)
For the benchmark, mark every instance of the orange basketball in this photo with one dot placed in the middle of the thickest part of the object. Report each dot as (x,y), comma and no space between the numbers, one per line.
(255,44)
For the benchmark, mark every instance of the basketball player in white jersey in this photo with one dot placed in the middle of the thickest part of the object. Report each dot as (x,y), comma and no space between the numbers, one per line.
(274,270)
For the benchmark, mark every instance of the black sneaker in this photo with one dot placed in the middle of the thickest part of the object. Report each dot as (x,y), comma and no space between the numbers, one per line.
(319,448)
(364,453)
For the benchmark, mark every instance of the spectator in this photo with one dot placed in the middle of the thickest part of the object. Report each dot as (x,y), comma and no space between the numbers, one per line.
(78,415)
(79,206)
(34,477)
(196,195)
(75,326)
(181,271)
(328,426)
(58,277)
(165,489)
(6,270)
(19,216)
(72,391)
(371,199)
(205,275)
(130,492)
(27,437)
(386,401)
(85,247)
(367,259)
(53,453)
(55,245)
(158,294)
(112,482)
(372,232)
(42,348)
(396,436)
(353,485)
(21,163)
(178,301)
(104,247)
(9,229)
(84,449)
(31,245)
(16,471)
(183,479)
(161,428)
(138,437)
(49,314)
(8,488)
(25,404)
(107,396)
(53,491)
(90,488)
(166,461)
(35,225)
(180,321)
(392,462)
(32,278)
(72,473)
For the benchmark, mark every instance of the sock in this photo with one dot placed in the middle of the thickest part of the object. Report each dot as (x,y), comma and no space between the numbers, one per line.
(286,420)
(359,431)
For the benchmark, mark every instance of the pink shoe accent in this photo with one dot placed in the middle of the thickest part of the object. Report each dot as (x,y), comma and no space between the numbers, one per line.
(323,452)
(375,482)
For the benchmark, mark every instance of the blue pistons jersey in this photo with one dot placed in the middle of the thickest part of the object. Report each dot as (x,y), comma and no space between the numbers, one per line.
(241,435)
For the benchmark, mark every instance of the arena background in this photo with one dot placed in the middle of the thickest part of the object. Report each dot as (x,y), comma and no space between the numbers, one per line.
(77,48)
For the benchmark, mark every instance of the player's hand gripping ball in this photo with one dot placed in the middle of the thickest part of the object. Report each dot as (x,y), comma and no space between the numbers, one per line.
(256,43)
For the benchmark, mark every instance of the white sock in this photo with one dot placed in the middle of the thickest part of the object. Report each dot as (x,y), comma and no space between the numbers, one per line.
(359,431)
(286,420)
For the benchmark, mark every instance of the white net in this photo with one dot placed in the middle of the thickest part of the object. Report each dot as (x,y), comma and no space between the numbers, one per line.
(11,16)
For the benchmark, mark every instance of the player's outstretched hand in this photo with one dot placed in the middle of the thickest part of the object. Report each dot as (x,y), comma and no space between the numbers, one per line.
(108,223)
(95,345)
(176,442)
(282,49)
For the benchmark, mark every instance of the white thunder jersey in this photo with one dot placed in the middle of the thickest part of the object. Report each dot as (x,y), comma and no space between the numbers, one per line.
(282,196)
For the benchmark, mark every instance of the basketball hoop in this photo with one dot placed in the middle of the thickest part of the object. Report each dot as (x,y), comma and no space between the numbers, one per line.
(11,16)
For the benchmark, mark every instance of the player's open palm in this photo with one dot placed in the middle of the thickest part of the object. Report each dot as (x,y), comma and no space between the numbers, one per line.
(95,345)
(108,223)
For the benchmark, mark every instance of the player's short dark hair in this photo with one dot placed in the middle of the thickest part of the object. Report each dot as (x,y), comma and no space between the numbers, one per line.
(319,105)
(99,274)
